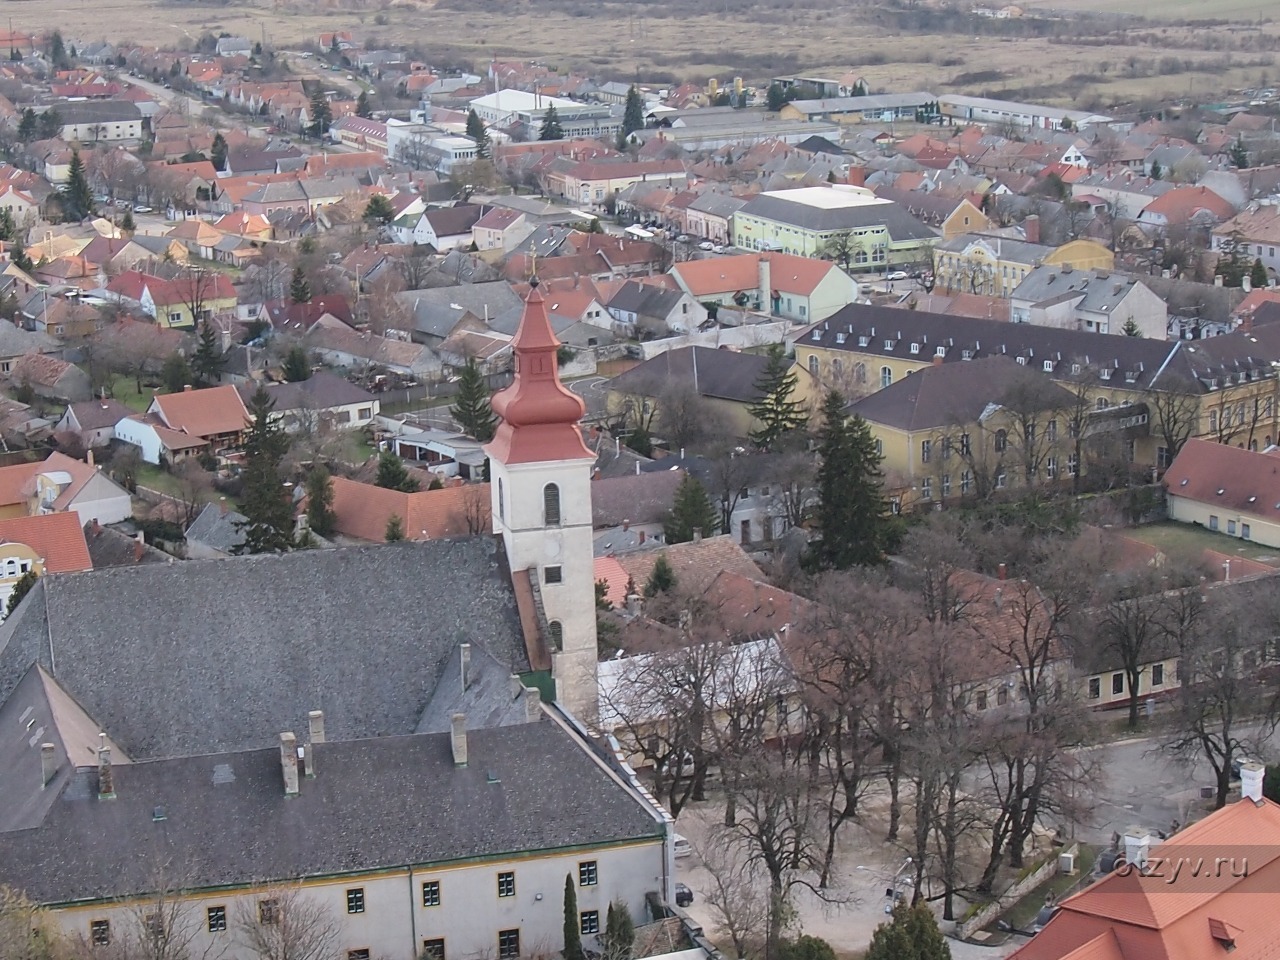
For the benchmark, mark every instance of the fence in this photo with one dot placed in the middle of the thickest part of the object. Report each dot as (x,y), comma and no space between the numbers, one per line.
(1016,892)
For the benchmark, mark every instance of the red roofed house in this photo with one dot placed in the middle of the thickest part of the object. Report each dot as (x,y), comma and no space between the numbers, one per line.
(1184,206)
(363,511)
(1210,890)
(188,298)
(592,184)
(62,484)
(798,288)
(1226,489)
(50,543)
(50,377)
(181,425)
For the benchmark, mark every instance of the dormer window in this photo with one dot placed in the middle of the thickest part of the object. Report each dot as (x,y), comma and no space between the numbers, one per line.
(888,344)
(915,348)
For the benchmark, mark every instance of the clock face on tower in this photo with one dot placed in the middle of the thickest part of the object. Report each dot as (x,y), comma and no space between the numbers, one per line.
(552,546)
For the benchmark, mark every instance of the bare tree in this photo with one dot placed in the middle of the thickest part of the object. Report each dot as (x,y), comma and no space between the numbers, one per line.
(193,490)
(285,923)
(1175,414)
(474,511)
(165,924)
(736,893)
(26,930)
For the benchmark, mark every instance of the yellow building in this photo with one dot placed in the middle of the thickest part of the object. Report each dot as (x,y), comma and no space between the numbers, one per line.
(48,543)
(723,379)
(994,264)
(1149,395)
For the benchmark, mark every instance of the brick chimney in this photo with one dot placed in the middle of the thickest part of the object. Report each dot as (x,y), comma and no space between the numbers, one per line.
(1031,228)
(289,763)
(458,738)
(48,763)
(106,783)
(315,724)
(464,653)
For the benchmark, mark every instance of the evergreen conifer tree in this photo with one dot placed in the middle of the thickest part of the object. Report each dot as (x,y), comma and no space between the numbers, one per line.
(392,474)
(476,131)
(912,934)
(321,114)
(1258,274)
(176,373)
(619,933)
(691,513)
(379,209)
(851,510)
(572,932)
(775,97)
(218,152)
(661,578)
(633,113)
(472,409)
(1239,153)
(27,125)
(319,487)
(126,222)
(7,226)
(1130,328)
(394,532)
(268,523)
(363,109)
(20,590)
(551,129)
(299,288)
(77,198)
(297,365)
(778,412)
(207,362)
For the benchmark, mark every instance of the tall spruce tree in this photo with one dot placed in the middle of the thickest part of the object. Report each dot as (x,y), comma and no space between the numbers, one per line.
(218,152)
(208,361)
(321,114)
(392,474)
(268,523)
(476,131)
(363,108)
(299,288)
(572,930)
(472,409)
(691,513)
(77,198)
(551,129)
(661,578)
(319,486)
(176,373)
(633,113)
(851,509)
(778,412)
(297,365)
(1258,277)
(1239,153)
(27,125)
(912,934)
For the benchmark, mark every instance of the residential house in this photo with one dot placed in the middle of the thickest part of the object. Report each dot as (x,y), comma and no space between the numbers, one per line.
(442,452)
(726,380)
(658,310)
(1126,193)
(24,208)
(90,122)
(362,511)
(187,299)
(628,512)
(1186,207)
(1226,489)
(93,421)
(50,377)
(501,228)
(438,311)
(180,425)
(794,287)
(1149,909)
(62,484)
(994,264)
(109,547)
(16,342)
(711,216)
(592,183)
(65,317)
(360,133)
(344,347)
(288,317)
(45,543)
(944,433)
(442,228)
(1254,233)
(322,401)
(805,221)
(696,563)
(215,533)
(1089,300)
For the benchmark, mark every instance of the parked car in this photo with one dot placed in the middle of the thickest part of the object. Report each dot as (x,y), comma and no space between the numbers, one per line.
(896,275)
(683,238)
(681,846)
(684,896)
(706,245)
(140,208)
(718,248)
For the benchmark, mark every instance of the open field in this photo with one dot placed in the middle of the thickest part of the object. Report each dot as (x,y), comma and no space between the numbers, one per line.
(1169,9)
(1095,62)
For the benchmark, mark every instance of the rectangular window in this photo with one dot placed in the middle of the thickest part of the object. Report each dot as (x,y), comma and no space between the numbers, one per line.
(946,484)
(355,900)
(431,893)
(589,921)
(1053,428)
(926,450)
(506,884)
(1073,465)
(1002,696)
(587,876)
(1001,480)
(1117,683)
(1051,467)
(1095,688)
(926,488)
(433,949)
(551,575)
(361,954)
(364,413)
(100,932)
(268,911)
(508,944)
(981,699)
(1244,530)
(1213,522)
(1157,675)
(217,919)
(966,481)
(1231,527)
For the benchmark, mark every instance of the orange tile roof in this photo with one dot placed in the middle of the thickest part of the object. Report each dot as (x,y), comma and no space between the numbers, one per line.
(203,413)
(16,482)
(57,537)
(612,573)
(1182,203)
(1175,915)
(695,564)
(1222,475)
(787,273)
(362,510)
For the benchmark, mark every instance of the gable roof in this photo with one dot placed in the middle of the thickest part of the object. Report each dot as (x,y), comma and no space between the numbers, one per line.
(1220,474)
(362,510)
(635,498)
(723,374)
(97,414)
(321,391)
(56,537)
(696,563)
(787,273)
(313,629)
(203,413)
(218,529)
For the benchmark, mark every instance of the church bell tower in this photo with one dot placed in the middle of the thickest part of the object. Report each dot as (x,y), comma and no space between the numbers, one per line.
(540,485)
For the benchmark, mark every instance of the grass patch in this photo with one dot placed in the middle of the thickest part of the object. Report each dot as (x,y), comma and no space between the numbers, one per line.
(1022,913)
(1175,538)
(157,478)
(125,390)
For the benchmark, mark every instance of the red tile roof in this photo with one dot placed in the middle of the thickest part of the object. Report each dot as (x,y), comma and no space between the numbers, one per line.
(203,413)
(787,273)
(1233,478)
(362,510)
(1182,203)
(56,537)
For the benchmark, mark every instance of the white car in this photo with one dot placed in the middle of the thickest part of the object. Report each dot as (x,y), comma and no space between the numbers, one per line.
(718,248)
(706,245)
(896,275)
(681,846)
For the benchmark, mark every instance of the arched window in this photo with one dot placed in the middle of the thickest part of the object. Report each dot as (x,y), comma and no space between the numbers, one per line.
(556,630)
(837,368)
(813,364)
(886,377)
(1002,441)
(551,505)
(859,373)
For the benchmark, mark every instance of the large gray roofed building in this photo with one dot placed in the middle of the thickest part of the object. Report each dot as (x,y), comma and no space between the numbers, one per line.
(373,804)
(219,655)
(775,206)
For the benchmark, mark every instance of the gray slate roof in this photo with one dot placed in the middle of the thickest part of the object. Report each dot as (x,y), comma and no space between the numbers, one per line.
(318,392)
(373,804)
(713,373)
(1101,291)
(217,530)
(900,224)
(215,655)
(646,299)
(437,311)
